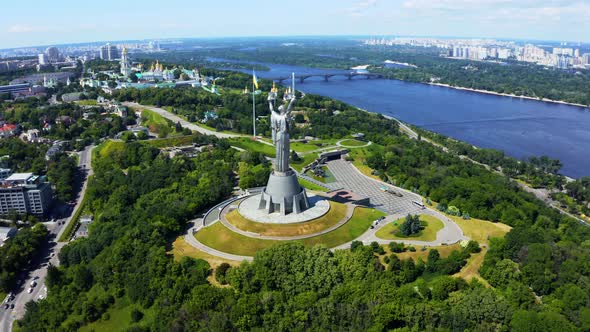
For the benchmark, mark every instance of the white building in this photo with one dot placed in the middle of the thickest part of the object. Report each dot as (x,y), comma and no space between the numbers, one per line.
(43,59)
(25,193)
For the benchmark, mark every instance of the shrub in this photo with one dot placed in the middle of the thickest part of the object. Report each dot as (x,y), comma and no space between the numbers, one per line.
(377,248)
(396,247)
(221,273)
(136,315)
(355,245)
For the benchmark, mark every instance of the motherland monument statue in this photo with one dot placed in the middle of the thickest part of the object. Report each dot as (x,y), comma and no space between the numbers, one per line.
(283,193)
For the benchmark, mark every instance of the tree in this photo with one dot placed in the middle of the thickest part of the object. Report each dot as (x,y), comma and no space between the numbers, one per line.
(433,260)
(411,225)
(221,272)
(354,245)
(136,315)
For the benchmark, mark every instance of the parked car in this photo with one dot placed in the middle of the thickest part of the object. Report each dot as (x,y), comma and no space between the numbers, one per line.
(30,290)
(33,283)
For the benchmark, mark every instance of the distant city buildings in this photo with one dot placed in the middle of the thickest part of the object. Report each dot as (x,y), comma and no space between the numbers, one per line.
(109,52)
(25,193)
(52,54)
(490,49)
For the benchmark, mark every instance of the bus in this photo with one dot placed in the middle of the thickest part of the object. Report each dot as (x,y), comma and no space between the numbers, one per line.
(420,204)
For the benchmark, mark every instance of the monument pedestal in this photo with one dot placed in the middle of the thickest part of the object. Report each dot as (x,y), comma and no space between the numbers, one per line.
(283,194)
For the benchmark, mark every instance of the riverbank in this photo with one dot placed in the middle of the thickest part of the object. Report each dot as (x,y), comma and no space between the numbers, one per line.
(509,95)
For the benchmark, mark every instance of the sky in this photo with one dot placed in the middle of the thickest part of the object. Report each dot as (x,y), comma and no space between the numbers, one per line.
(41,22)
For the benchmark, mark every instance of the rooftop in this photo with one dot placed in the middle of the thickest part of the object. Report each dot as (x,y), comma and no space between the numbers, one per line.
(19,177)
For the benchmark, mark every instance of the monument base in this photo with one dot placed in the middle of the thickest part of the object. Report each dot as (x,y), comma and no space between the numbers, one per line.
(318,206)
(283,194)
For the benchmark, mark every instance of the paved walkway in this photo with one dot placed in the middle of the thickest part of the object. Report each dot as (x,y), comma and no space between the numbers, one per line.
(351,178)
(175,118)
(349,211)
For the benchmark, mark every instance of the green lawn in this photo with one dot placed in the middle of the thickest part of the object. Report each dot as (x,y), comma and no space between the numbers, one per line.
(312,145)
(310,186)
(431,226)
(171,141)
(119,318)
(157,123)
(153,118)
(336,213)
(352,142)
(360,156)
(247,143)
(87,102)
(219,237)
(306,159)
(108,147)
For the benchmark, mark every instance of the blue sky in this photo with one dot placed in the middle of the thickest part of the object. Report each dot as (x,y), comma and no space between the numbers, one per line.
(36,22)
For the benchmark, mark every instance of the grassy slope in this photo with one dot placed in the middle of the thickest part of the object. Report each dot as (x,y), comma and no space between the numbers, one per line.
(352,142)
(219,237)
(434,225)
(481,230)
(336,213)
(360,157)
(120,318)
(247,143)
(311,186)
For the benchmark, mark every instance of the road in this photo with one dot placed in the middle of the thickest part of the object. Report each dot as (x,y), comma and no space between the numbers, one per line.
(49,254)
(398,207)
(175,118)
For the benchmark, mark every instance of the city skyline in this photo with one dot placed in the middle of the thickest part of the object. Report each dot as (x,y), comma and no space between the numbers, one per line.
(555,20)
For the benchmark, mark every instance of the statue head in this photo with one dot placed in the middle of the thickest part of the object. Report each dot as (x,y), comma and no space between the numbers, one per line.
(282,109)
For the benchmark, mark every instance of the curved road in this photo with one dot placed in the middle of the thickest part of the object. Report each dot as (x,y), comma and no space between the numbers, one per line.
(353,179)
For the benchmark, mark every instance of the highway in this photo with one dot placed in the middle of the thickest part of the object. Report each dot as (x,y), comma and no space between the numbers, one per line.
(49,254)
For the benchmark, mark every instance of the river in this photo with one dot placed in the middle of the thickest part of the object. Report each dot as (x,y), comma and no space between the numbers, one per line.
(519,127)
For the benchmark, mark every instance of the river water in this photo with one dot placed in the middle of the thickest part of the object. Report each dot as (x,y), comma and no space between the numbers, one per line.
(519,127)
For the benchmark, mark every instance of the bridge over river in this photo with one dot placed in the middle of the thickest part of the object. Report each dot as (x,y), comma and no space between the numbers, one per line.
(349,75)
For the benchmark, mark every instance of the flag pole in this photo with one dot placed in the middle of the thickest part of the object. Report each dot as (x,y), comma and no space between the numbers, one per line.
(253,105)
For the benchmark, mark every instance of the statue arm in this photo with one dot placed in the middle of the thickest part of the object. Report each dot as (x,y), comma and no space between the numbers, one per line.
(291,103)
